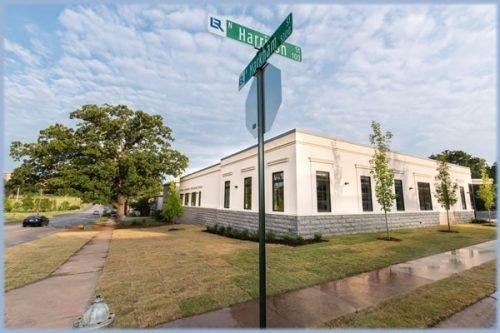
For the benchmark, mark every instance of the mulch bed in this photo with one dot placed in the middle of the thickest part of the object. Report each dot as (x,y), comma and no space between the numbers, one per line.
(391,239)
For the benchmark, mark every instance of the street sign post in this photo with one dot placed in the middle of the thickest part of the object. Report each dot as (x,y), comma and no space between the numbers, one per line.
(257,67)
(221,26)
(273,43)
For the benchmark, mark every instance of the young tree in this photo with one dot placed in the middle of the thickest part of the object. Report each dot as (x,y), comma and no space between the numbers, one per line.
(446,188)
(486,192)
(172,207)
(114,154)
(382,173)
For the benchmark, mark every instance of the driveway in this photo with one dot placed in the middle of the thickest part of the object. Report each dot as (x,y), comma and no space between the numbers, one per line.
(15,233)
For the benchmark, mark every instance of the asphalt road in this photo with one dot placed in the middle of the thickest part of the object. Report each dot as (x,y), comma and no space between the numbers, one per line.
(15,233)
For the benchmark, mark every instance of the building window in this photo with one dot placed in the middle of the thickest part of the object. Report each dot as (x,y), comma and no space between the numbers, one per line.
(227,191)
(186,199)
(398,190)
(462,195)
(199,198)
(323,191)
(278,193)
(193,199)
(182,198)
(424,196)
(366,194)
(247,193)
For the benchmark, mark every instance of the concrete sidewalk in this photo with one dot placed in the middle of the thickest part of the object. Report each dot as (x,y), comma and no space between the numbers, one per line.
(58,300)
(479,315)
(315,305)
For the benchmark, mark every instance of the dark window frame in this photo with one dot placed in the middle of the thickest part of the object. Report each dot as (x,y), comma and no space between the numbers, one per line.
(424,196)
(400,197)
(199,198)
(227,193)
(278,191)
(182,198)
(462,197)
(366,193)
(193,199)
(323,195)
(186,199)
(247,193)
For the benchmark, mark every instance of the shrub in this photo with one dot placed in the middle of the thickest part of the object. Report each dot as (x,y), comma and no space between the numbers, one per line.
(8,206)
(45,205)
(287,238)
(221,230)
(318,236)
(17,206)
(172,208)
(229,231)
(28,203)
(245,234)
(299,240)
(74,207)
(270,236)
(64,205)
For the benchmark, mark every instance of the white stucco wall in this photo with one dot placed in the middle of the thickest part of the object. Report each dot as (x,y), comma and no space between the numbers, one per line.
(299,155)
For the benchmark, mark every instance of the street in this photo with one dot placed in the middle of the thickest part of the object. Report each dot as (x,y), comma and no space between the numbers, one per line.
(16,234)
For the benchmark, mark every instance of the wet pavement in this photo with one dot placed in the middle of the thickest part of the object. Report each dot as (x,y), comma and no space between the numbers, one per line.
(57,301)
(15,234)
(312,306)
(479,315)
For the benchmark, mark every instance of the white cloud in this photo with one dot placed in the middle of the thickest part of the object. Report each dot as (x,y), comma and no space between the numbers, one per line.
(426,72)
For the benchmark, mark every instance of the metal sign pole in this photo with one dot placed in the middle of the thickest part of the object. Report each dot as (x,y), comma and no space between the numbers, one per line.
(262,204)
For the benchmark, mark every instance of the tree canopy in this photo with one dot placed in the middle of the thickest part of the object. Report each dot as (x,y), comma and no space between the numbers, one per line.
(464,159)
(113,154)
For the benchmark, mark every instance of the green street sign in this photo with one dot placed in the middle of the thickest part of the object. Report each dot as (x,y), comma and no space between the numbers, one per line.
(257,39)
(273,43)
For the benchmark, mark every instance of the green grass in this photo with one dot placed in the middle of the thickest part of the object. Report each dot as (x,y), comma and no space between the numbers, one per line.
(427,305)
(29,262)
(158,274)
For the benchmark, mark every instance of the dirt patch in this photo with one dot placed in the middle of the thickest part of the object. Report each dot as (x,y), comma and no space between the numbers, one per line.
(390,239)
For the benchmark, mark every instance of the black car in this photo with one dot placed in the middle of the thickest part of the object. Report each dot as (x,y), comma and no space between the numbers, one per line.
(36,220)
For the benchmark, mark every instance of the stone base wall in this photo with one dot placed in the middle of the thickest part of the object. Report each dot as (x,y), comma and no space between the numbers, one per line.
(279,224)
(307,226)
(461,217)
(329,225)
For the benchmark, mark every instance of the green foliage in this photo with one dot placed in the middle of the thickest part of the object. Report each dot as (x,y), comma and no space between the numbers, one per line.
(17,206)
(300,240)
(28,203)
(112,154)
(45,204)
(382,173)
(486,191)
(64,205)
(270,236)
(462,158)
(172,207)
(287,238)
(8,206)
(143,205)
(318,236)
(74,207)
(446,188)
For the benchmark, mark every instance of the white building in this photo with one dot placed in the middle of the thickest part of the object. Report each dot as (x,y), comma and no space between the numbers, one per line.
(315,183)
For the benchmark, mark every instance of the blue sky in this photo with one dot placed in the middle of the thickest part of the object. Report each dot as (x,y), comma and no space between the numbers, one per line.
(427,73)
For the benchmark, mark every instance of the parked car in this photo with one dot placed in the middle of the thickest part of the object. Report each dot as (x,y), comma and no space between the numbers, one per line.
(113,213)
(96,212)
(36,221)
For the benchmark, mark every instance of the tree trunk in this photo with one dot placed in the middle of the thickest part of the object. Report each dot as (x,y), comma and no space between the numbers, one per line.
(448,219)
(386,225)
(489,216)
(120,209)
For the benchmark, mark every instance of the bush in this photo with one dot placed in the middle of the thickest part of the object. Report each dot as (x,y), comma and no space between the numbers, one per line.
(45,204)
(300,240)
(172,208)
(28,203)
(318,236)
(74,207)
(245,234)
(287,238)
(8,206)
(17,206)
(64,205)
(270,236)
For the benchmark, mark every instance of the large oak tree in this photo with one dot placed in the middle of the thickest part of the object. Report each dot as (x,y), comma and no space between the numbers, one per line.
(112,155)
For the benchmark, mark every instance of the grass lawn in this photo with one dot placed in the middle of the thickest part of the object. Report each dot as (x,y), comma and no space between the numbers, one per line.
(158,274)
(427,305)
(28,262)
